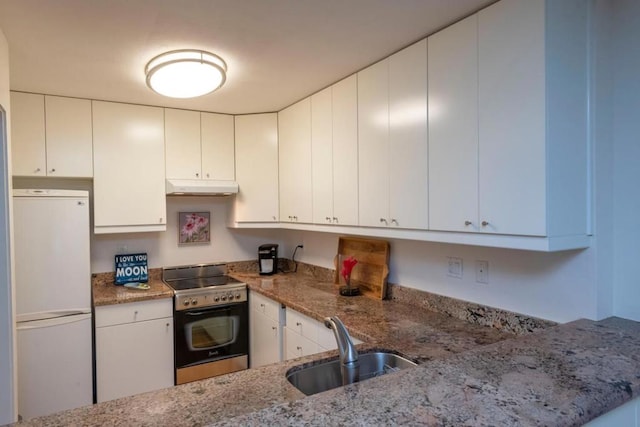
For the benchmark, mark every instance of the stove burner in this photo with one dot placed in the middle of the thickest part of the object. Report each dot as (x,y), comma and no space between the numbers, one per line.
(201,282)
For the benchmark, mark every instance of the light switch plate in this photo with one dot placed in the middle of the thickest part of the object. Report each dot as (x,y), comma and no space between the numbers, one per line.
(482,271)
(454,267)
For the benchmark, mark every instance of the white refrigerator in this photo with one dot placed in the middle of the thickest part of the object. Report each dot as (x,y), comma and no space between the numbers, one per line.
(53,300)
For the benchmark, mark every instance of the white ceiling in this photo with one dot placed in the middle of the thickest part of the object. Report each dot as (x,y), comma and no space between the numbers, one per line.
(277,51)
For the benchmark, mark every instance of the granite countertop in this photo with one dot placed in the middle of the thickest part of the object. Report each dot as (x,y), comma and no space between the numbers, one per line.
(469,374)
(419,335)
(105,292)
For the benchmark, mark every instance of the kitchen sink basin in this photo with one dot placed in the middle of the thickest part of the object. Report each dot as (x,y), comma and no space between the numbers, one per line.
(328,375)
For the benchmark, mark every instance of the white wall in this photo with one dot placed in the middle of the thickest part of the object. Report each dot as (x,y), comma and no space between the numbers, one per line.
(163,249)
(554,286)
(626,133)
(7,341)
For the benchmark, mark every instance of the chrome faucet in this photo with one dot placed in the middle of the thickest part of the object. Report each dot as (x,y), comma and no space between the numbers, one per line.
(348,352)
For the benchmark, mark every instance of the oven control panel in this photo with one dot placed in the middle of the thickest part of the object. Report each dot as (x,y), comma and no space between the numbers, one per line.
(211,297)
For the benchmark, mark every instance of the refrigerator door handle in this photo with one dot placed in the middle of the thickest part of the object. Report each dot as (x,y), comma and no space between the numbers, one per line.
(43,315)
(56,321)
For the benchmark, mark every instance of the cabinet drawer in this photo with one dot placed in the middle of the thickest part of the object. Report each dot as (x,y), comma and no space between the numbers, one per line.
(264,305)
(297,345)
(303,325)
(117,314)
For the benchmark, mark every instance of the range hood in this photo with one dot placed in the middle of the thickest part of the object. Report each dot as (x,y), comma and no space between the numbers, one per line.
(200,187)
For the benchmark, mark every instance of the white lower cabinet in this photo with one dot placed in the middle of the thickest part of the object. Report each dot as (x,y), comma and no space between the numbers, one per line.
(134,348)
(305,336)
(266,319)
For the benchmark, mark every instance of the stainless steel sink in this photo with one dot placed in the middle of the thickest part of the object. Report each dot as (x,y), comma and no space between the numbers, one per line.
(332,374)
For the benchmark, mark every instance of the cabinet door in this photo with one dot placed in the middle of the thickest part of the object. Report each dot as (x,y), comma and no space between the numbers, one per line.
(512,185)
(218,147)
(265,340)
(129,180)
(69,137)
(134,358)
(373,144)
(298,345)
(182,144)
(345,151)
(257,168)
(453,127)
(28,134)
(322,156)
(294,139)
(408,177)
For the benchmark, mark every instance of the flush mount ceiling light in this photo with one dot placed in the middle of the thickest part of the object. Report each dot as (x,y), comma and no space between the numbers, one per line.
(186,73)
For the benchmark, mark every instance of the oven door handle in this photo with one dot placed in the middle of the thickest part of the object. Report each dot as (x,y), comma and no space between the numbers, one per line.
(199,313)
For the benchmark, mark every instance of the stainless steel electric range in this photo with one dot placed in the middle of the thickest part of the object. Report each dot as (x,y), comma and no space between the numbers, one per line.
(211,321)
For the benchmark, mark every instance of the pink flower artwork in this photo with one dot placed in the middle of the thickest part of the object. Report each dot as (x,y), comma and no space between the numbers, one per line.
(193,227)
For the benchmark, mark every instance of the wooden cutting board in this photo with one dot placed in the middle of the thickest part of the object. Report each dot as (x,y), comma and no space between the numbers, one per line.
(373,264)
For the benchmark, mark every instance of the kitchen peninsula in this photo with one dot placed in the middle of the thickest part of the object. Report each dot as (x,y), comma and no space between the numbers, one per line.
(468,374)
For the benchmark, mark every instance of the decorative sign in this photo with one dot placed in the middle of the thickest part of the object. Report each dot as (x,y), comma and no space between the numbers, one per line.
(131,268)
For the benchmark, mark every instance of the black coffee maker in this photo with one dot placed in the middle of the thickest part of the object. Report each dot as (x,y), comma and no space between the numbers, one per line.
(268,258)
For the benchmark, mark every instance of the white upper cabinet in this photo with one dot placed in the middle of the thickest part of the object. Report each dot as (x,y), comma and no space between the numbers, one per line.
(507,130)
(256,168)
(182,144)
(129,173)
(408,150)
(453,127)
(334,147)
(392,140)
(51,136)
(28,147)
(511,69)
(322,156)
(199,145)
(218,146)
(373,145)
(294,138)
(344,118)
(532,88)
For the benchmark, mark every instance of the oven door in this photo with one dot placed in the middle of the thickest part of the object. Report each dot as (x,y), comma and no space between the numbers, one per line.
(209,334)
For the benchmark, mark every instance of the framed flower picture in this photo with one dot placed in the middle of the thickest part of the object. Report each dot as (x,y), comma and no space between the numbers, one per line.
(193,228)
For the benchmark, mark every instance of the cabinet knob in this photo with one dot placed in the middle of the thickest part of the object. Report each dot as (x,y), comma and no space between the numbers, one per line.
(383,220)
(335,219)
(299,348)
(328,218)
(468,223)
(274,217)
(197,175)
(290,217)
(274,328)
(207,175)
(52,170)
(298,324)
(262,305)
(37,170)
(160,220)
(484,223)
(295,218)
(394,221)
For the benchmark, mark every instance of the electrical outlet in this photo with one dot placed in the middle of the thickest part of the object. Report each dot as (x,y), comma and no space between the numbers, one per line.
(482,271)
(454,267)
